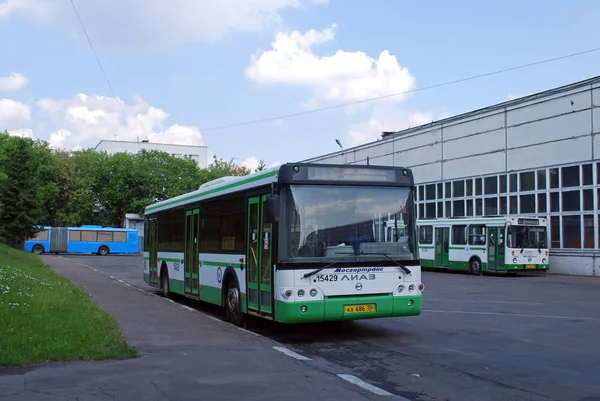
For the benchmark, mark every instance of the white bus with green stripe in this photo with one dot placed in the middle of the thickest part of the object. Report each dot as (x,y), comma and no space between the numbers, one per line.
(506,244)
(297,243)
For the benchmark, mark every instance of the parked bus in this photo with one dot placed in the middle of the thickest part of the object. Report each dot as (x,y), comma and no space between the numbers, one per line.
(291,244)
(478,244)
(84,239)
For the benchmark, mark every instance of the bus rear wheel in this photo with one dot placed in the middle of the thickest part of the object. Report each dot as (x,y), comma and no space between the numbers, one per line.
(475,266)
(38,249)
(103,250)
(233,304)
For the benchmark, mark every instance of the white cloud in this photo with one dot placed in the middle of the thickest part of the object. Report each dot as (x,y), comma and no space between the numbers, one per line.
(340,77)
(130,24)
(84,120)
(253,162)
(388,118)
(13,82)
(13,114)
(23,133)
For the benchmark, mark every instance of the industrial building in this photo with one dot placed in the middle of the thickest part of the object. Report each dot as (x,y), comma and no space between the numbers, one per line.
(197,153)
(537,155)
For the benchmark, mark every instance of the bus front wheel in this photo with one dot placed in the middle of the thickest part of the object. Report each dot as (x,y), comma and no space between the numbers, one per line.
(233,304)
(475,266)
(38,249)
(103,250)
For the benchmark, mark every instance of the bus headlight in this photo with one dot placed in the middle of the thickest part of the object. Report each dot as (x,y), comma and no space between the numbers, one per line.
(400,288)
(411,288)
(300,293)
(515,261)
(313,292)
(544,261)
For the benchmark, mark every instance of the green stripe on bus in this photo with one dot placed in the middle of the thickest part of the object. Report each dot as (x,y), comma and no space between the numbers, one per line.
(213,191)
(222,264)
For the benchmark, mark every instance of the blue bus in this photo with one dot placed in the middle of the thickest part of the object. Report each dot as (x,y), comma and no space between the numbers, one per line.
(84,239)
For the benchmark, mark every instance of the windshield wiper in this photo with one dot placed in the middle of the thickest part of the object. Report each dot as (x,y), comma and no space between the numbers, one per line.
(406,269)
(318,270)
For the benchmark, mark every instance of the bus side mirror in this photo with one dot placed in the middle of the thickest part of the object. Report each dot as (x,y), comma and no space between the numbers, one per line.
(272,208)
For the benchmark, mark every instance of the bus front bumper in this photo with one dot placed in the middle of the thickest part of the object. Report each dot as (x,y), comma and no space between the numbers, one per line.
(348,308)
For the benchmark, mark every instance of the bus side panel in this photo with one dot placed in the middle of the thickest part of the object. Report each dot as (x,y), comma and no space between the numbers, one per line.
(174,262)
(212,273)
(427,256)
(59,238)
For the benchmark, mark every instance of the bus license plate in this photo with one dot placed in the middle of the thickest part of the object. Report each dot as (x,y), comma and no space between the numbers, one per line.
(365,308)
(530,266)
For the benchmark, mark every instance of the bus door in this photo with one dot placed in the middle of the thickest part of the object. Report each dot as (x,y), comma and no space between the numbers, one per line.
(260,240)
(153,250)
(496,247)
(191,265)
(442,253)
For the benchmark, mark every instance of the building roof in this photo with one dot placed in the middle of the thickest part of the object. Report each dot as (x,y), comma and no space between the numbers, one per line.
(149,143)
(498,106)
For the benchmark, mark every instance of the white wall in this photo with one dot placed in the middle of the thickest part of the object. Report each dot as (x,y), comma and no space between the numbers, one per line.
(551,130)
(133,147)
(548,129)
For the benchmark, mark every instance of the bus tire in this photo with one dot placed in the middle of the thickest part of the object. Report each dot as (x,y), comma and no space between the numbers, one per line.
(37,249)
(165,289)
(233,304)
(103,250)
(475,266)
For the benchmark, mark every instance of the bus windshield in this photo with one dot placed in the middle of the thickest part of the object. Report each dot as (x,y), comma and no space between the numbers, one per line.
(527,237)
(333,222)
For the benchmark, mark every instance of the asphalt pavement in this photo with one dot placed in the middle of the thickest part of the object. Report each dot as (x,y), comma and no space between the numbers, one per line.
(187,355)
(479,338)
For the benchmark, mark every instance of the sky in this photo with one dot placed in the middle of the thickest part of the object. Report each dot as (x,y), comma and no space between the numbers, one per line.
(277,80)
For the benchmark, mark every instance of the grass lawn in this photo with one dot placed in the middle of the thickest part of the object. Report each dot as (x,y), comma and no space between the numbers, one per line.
(46,318)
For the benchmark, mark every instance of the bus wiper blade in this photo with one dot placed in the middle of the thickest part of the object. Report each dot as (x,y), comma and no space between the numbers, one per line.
(318,270)
(406,269)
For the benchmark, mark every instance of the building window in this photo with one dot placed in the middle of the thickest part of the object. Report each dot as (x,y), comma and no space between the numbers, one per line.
(570,201)
(459,188)
(527,203)
(491,206)
(541,179)
(586,171)
(554,178)
(527,181)
(491,185)
(430,192)
(513,182)
(478,186)
(555,232)
(541,203)
(570,176)
(571,231)
(503,186)
(503,207)
(459,208)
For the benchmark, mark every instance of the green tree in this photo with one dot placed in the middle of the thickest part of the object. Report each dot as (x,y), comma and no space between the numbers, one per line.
(261,166)
(20,196)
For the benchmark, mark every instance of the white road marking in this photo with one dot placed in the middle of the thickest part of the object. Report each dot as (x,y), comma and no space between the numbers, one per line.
(291,353)
(363,384)
(484,302)
(188,308)
(513,314)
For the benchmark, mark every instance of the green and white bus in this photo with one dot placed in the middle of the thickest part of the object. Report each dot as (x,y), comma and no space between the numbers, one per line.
(297,243)
(490,243)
